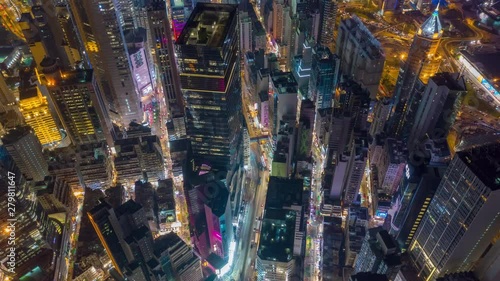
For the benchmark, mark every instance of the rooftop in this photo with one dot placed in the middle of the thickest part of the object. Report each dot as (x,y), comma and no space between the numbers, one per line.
(277,236)
(484,162)
(27,93)
(453,82)
(129,207)
(208,25)
(284,82)
(216,196)
(283,192)
(388,241)
(15,134)
(396,151)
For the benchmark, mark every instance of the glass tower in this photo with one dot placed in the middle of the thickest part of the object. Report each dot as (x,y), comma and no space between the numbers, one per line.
(463,216)
(207,54)
(421,64)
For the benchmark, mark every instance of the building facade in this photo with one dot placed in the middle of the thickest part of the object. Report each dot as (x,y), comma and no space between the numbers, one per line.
(210,79)
(361,55)
(422,63)
(463,217)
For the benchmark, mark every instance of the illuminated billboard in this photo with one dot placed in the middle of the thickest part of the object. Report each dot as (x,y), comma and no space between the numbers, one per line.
(490,88)
(264,114)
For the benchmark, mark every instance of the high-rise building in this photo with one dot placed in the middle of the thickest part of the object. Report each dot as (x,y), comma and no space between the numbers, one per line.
(246,33)
(282,218)
(210,215)
(487,268)
(7,98)
(356,228)
(35,110)
(74,97)
(62,164)
(302,66)
(381,113)
(26,151)
(393,6)
(357,156)
(328,18)
(279,15)
(283,103)
(305,130)
(391,166)
(423,5)
(361,55)
(160,33)
(106,52)
(422,62)
(282,31)
(141,62)
(139,158)
(178,17)
(379,254)
(94,165)
(30,244)
(414,196)
(69,35)
(324,77)
(125,236)
(438,107)
(463,217)
(177,259)
(333,238)
(166,201)
(208,59)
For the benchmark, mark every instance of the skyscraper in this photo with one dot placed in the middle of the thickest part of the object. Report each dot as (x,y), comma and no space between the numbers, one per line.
(328,13)
(125,236)
(246,34)
(30,243)
(177,259)
(210,216)
(324,77)
(35,110)
(107,54)
(74,96)
(422,62)
(379,254)
(463,217)
(414,196)
(26,151)
(160,31)
(282,231)
(441,95)
(207,53)
(361,55)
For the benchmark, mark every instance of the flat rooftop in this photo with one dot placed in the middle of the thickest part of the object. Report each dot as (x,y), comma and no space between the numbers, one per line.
(449,80)
(284,83)
(16,134)
(284,192)
(208,25)
(484,162)
(277,235)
